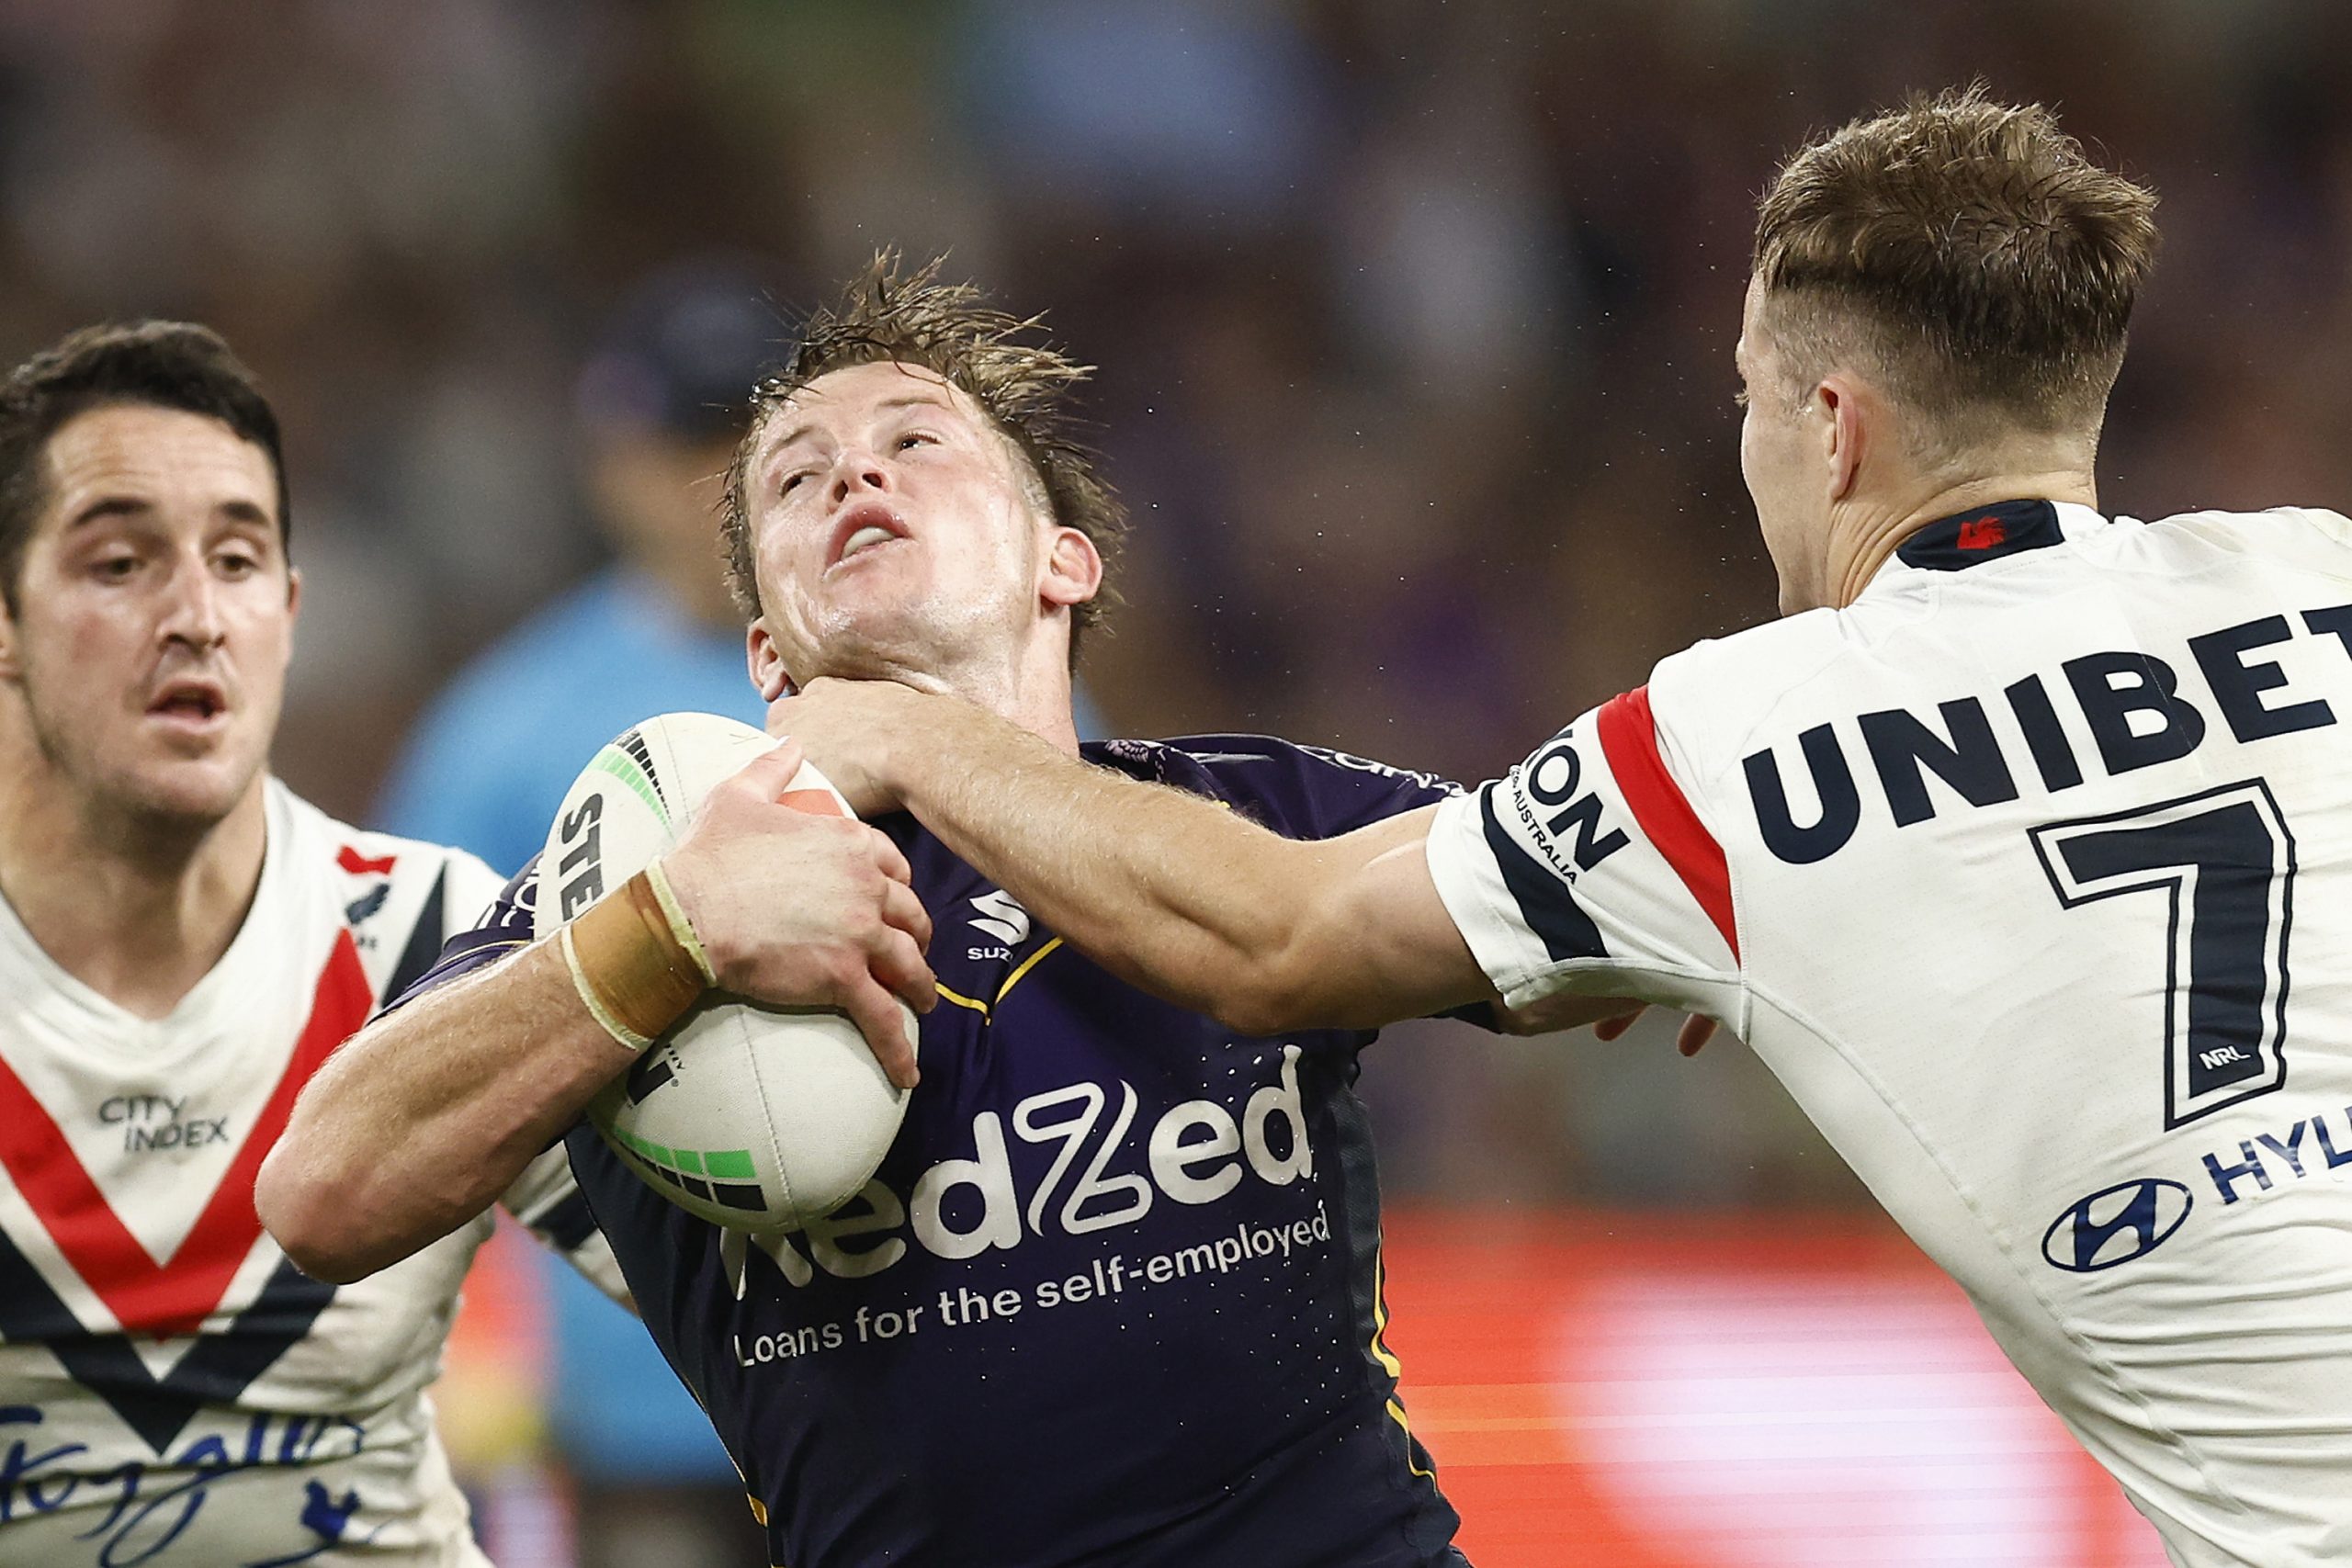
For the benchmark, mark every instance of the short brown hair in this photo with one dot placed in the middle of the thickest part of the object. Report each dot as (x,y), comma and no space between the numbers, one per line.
(950,329)
(168,365)
(1968,252)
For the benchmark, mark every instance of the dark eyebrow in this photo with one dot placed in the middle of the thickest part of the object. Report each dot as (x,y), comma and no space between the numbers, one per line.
(911,399)
(106,506)
(110,506)
(246,511)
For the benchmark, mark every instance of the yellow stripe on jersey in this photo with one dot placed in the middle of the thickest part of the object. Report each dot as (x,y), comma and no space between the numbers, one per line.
(1026,965)
(960,1001)
(987,1009)
(1387,1357)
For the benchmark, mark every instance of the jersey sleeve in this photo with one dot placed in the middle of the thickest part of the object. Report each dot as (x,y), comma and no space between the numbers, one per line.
(1344,792)
(474,889)
(1588,869)
(502,928)
(1306,792)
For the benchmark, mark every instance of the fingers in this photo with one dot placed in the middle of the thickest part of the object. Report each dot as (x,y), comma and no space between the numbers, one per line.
(770,774)
(899,965)
(1691,1039)
(902,909)
(875,1014)
(893,865)
(1613,1027)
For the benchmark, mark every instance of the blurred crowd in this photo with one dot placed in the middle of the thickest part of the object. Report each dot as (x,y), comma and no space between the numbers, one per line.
(1414,326)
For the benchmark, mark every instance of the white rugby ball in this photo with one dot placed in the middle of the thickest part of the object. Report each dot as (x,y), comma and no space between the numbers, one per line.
(750,1117)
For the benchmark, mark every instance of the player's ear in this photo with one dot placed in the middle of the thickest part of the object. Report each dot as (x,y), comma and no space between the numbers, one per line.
(1073,571)
(765,662)
(9,668)
(1842,403)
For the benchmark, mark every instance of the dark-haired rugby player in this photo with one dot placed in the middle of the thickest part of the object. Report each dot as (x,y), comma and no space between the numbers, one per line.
(182,942)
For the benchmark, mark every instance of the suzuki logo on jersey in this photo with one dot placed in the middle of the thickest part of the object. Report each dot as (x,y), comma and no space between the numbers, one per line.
(1001,917)
(2115,1225)
(1195,1153)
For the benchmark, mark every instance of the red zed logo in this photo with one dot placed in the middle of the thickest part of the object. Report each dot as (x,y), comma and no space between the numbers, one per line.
(1982,534)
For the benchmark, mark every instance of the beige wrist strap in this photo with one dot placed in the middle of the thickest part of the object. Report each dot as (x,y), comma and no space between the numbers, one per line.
(635,959)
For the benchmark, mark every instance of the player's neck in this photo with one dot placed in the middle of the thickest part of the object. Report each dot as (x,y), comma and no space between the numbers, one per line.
(137,909)
(1032,690)
(1862,540)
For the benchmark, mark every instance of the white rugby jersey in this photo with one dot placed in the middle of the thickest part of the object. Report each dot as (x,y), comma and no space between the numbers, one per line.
(173,1392)
(2030,873)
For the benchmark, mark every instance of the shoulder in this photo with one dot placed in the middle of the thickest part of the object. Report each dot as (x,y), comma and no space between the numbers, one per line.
(1303,790)
(1242,757)
(384,867)
(2278,530)
(1710,700)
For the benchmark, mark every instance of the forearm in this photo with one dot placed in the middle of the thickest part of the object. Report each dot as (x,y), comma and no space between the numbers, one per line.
(1176,893)
(425,1117)
(1163,888)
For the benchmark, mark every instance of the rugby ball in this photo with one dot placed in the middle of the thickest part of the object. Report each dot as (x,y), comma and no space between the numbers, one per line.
(750,1117)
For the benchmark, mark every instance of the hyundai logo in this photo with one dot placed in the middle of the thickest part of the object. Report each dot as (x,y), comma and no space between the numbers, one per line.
(2116,1224)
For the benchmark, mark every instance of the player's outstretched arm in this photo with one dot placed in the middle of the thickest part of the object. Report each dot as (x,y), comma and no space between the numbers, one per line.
(1170,892)
(422,1119)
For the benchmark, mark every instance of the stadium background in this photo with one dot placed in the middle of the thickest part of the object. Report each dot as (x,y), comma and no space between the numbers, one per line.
(1415,324)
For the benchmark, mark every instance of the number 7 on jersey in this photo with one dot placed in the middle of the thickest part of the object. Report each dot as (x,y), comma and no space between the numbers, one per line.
(2222,865)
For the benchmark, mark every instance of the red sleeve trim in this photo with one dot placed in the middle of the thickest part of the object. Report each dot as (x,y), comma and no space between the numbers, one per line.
(1629,740)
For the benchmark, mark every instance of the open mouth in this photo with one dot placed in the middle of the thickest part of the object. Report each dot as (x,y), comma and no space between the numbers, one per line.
(865,526)
(189,702)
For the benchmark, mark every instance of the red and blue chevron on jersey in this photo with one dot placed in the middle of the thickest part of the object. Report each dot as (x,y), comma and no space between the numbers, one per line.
(173,1392)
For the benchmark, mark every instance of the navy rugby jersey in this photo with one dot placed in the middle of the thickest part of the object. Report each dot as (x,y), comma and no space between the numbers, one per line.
(1114,1296)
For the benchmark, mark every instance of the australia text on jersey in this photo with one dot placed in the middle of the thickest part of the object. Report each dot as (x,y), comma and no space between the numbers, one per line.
(1195,1153)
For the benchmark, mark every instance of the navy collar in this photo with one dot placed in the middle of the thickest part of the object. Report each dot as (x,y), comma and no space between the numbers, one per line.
(1982,534)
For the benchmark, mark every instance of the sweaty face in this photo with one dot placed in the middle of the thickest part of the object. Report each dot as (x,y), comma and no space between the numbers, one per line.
(892,528)
(156,614)
(1779,456)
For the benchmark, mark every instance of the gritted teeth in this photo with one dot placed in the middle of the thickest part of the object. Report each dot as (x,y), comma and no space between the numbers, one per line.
(861,527)
(869,534)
